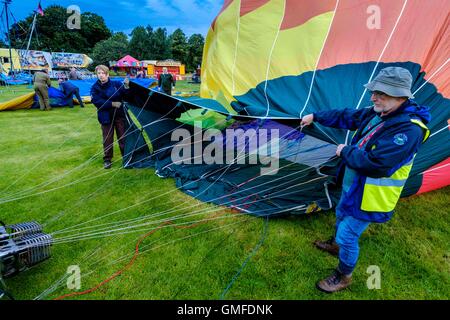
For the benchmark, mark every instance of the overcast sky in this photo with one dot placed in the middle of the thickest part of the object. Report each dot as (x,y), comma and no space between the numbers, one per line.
(192,16)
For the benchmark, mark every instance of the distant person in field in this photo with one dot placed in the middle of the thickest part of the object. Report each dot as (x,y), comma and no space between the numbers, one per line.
(108,96)
(196,76)
(73,74)
(69,91)
(166,82)
(42,82)
(140,74)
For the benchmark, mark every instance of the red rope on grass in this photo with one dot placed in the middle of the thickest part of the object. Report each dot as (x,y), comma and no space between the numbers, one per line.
(133,259)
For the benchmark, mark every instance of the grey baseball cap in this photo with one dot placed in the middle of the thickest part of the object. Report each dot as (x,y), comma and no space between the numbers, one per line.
(393,81)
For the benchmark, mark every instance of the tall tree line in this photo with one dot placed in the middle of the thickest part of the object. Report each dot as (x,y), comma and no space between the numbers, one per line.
(52,33)
(96,40)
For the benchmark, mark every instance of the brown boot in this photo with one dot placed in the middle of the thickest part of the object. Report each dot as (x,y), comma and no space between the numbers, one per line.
(329,246)
(336,282)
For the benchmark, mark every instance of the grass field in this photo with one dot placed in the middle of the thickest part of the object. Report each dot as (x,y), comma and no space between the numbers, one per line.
(51,172)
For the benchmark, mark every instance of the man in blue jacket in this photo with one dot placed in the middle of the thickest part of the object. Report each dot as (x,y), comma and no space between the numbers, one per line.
(69,91)
(376,163)
(108,96)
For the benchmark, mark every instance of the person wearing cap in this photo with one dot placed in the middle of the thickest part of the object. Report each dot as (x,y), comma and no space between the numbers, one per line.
(108,95)
(374,166)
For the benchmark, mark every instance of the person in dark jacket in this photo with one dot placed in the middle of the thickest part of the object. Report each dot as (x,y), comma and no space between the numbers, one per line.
(377,164)
(69,91)
(166,82)
(108,95)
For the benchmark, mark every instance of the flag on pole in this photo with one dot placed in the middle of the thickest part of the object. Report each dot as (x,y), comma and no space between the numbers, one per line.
(39,9)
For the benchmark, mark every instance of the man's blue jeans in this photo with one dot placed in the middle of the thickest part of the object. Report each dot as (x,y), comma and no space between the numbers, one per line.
(348,231)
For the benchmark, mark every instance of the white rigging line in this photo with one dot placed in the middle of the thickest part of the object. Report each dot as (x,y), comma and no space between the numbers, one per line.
(440,130)
(167,223)
(121,226)
(23,194)
(434,73)
(101,233)
(154,198)
(437,168)
(60,283)
(70,229)
(126,230)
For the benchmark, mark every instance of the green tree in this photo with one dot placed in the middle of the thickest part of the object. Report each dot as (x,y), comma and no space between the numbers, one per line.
(140,43)
(160,45)
(195,46)
(178,46)
(54,35)
(93,29)
(111,49)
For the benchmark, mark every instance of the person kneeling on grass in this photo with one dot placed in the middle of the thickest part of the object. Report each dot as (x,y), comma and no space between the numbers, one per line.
(376,163)
(107,96)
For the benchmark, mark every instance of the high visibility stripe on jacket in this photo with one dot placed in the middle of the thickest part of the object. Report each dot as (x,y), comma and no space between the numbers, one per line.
(382,194)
